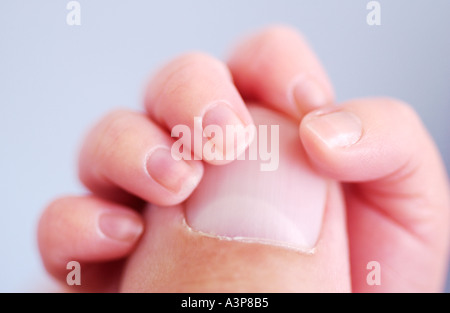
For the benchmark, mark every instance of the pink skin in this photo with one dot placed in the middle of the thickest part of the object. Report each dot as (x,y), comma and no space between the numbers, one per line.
(375,153)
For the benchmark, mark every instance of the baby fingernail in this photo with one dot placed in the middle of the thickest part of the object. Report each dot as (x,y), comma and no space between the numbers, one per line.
(309,94)
(120,226)
(170,173)
(223,117)
(336,129)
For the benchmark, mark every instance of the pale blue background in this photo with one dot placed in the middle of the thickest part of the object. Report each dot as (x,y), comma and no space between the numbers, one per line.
(56,80)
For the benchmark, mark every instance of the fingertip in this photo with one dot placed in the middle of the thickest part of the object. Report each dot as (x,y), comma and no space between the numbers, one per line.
(194,95)
(86,229)
(126,154)
(326,132)
(276,66)
(364,139)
